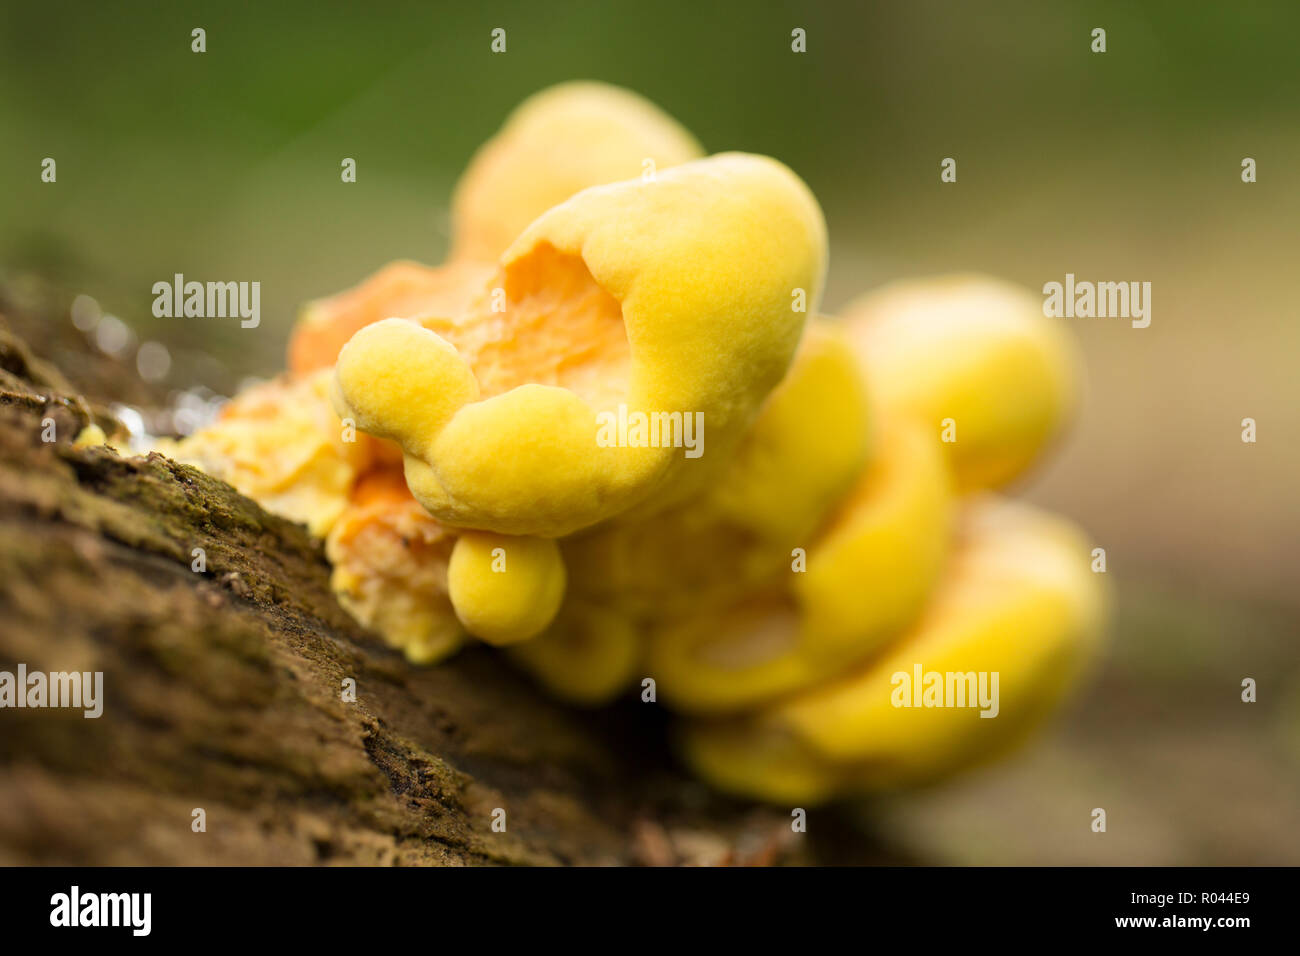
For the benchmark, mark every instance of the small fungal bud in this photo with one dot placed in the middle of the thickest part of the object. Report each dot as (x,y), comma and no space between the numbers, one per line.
(90,436)
(505,607)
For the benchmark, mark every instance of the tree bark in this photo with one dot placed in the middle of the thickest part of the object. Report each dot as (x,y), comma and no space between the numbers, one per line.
(224,692)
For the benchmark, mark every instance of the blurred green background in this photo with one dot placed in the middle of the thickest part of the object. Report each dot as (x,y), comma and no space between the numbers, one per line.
(1118,166)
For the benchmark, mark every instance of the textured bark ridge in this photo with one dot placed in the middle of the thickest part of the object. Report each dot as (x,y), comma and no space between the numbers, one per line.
(223,690)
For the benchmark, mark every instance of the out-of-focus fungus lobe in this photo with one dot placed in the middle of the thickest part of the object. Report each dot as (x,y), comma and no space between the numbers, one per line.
(868,574)
(587,657)
(672,296)
(557,143)
(1018,602)
(974,350)
(809,444)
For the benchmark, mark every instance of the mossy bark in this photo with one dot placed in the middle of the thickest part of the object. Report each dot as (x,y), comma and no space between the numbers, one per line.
(224,691)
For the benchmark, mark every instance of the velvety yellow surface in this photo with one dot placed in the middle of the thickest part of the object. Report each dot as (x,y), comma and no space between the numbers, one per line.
(866,576)
(828,536)
(703,261)
(1019,600)
(975,350)
(802,455)
(505,589)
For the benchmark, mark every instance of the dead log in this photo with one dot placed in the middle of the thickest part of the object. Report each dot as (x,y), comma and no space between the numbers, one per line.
(224,691)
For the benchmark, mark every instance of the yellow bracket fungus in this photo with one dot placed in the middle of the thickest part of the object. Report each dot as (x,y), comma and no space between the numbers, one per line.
(671,296)
(797,462)
(504,484)
(1019,602)
(867,575)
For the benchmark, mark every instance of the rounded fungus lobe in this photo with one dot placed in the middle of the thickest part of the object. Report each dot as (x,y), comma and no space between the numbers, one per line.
(1018,601)
(90,436)
(505,589)
(812,439)
(975,350)
(868,575)
(700,263)
(798,460)
(557,143)
(587,657)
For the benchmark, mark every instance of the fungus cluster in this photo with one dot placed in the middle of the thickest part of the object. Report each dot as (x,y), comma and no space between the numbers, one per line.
(439,428)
